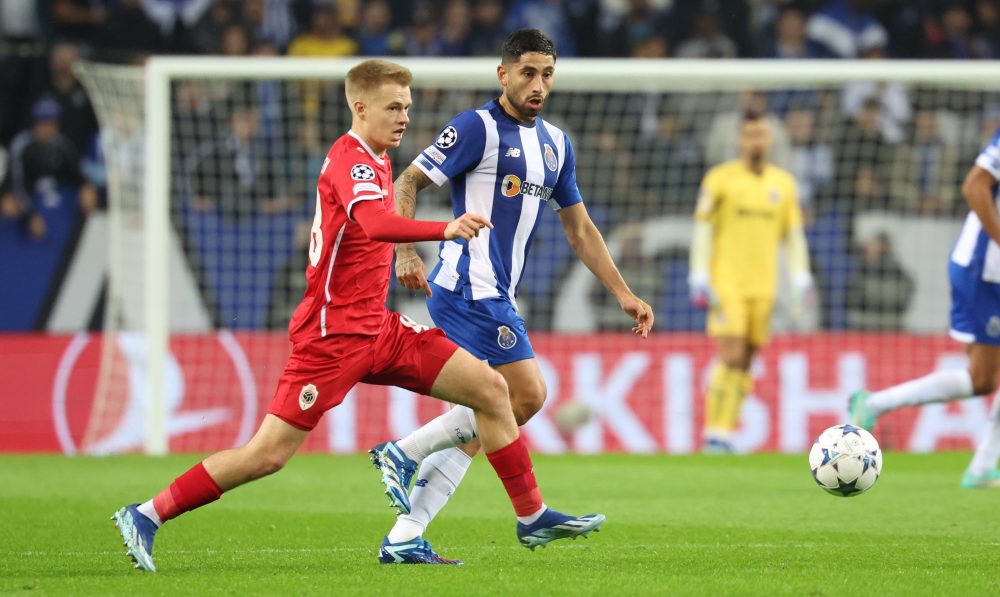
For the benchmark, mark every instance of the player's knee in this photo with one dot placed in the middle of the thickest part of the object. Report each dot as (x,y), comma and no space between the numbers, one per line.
(270,464)
(492,392)
(527,401)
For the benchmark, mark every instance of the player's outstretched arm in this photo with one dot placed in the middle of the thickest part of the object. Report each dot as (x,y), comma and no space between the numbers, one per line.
(410,270)
(978,192)
(379,224)
(588,244)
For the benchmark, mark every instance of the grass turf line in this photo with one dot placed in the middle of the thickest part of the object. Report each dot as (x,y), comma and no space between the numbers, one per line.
(678,525)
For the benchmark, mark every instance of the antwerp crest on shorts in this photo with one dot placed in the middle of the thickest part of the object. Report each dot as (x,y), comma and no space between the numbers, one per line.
(506,338)
(550,158)
(308,395)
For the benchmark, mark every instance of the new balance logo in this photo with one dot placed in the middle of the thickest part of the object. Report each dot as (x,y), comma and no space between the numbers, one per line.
(513,152)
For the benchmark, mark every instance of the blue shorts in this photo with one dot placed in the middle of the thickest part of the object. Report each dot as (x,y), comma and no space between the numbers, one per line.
(490,329)
(975,306)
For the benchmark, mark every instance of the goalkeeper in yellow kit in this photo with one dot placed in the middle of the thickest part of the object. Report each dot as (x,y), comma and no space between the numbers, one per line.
(746,209)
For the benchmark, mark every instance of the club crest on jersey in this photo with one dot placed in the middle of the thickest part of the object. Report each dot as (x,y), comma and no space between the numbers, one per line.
(506,338)
(447,138)
(774,195)
(550,158)
(362,172)
(308,396)
(511,186)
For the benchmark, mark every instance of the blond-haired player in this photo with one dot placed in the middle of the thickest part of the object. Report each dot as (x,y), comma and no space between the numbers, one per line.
(747,209)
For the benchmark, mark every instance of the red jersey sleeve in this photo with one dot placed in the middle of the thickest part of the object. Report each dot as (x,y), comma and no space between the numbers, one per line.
(357,181)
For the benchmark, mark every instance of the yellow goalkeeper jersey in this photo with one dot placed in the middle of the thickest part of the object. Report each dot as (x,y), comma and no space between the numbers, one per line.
(750,215)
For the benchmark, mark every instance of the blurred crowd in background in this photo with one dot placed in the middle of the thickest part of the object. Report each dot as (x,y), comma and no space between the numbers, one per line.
(255,150)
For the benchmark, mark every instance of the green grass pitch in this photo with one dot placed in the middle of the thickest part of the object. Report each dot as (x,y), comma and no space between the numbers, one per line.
(676,525)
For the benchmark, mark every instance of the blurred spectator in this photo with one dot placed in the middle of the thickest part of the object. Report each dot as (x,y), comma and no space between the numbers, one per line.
(44,163)
(290,282)
(77,122)
(235,41)
(234,176)
(925,172)
(845,29)
(892,98)
(668,162)
(954,37)
(269,19)
(879,290)
(175,17)
(790,35)
(19,19)
(10,207)
(457,21)
(708,41)
(422,37)
(325,37)
(206,35)
(129,29)
(859,144)
(732,18)
(488,31)
(373,33)
(641,24)
(77,20)
(986,40)
(548,16)
(811,160)
(638,269)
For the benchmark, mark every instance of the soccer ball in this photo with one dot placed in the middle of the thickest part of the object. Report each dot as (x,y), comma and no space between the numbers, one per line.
(845,460)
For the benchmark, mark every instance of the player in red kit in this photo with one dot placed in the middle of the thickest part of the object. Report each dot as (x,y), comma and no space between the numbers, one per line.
(342,333)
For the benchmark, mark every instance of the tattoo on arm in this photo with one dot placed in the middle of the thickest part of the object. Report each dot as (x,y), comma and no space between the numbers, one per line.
(407,185)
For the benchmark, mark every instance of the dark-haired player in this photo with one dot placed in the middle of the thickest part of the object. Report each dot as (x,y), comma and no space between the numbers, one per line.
(503,160)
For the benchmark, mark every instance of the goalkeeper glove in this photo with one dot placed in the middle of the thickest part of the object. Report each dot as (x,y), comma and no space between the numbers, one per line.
(701,293)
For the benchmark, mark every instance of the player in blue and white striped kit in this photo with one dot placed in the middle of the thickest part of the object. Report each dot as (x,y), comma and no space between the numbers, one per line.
(505,162)
(974,273)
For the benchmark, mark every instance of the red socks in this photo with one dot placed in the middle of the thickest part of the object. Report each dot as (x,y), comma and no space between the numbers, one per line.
(191,490)
(513,465)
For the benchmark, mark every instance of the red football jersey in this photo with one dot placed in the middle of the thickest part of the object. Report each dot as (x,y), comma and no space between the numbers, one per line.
(348,273)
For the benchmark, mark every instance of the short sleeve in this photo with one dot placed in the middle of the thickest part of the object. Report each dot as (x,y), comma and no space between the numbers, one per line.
(709,196)
(354,181)
(566,192)
(989,158)
(458,148)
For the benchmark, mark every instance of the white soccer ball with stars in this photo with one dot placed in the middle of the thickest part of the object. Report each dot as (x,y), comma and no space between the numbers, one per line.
(845,460)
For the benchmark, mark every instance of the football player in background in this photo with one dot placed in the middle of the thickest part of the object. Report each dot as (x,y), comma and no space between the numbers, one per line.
(502,159)
(746,210)
(974,274)
(343,334)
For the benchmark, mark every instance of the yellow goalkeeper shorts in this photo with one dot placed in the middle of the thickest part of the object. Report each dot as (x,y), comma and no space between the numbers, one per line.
(740,317)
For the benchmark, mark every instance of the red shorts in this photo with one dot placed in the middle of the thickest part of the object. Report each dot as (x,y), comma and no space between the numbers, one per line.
(320,372)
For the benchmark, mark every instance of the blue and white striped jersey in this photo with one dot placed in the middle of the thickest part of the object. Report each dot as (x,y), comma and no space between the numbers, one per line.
(974,248)
(503,170)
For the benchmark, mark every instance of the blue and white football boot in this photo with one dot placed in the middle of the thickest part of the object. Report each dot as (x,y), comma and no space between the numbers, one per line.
(137,533)
(987,480)
(414,551)
(397,473)
(552,525)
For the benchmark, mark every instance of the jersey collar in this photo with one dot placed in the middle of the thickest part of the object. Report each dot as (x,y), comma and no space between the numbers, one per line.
(378,160)
(530,124)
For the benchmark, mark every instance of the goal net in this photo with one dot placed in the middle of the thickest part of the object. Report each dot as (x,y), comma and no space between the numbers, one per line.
(213,165)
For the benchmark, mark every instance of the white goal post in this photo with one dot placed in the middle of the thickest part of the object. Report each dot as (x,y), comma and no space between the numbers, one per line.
(638,77)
